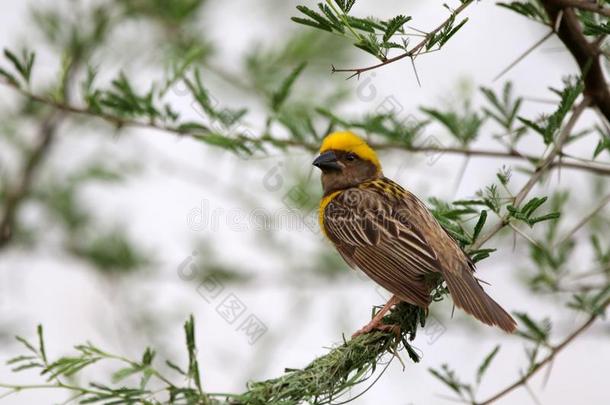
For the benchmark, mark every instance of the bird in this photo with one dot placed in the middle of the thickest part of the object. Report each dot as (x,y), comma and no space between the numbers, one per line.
(385,231)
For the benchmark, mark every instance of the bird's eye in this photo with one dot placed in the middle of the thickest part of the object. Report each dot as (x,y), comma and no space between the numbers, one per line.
(351,157)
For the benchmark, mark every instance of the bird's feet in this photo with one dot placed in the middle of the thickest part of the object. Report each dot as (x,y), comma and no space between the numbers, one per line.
(377,326)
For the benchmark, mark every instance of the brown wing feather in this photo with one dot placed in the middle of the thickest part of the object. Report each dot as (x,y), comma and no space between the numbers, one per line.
(369,234)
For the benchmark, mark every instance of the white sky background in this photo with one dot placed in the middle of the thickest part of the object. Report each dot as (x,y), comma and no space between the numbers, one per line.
(76,305)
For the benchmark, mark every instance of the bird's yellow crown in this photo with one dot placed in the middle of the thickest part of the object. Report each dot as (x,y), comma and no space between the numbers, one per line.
(350,142)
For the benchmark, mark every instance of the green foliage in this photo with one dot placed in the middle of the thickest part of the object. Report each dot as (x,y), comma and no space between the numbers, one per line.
(536,331)
(591,302)
(23,64)
(393,25)
(602,256)
(324,380)
(225,116)
(504,175)
(345,5)
(278,98)
(486,363)
(78,33)
(390,127)
(526,212)
(440,38)
(62,203)
(374,36)
(594,25)
(371,35)
(549,255)
(110,252)
(464,125)
(504,108)
(68,366)
(448,377)
(174,13)
(490,197)
(604,142)
(144,367)
(453,217)
(193,368)
(530,9)
(122,99)
(479,225)
(548,126)
(263,65)
(87,355)
(37,358)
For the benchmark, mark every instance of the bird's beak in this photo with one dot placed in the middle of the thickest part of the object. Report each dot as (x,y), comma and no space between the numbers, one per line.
(327,161)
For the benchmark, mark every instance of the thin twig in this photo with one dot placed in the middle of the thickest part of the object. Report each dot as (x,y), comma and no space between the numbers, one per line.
(556,150)
(524,55)
(554,351)
(414,51)
(17,192)
(584,220)
(524,235)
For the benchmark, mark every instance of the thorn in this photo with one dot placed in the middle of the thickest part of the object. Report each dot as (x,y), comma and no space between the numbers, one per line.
(523,55)
(482,281)
(415,70)
(558,22)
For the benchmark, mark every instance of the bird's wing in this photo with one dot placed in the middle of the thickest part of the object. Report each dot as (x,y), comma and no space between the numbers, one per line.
(377,232)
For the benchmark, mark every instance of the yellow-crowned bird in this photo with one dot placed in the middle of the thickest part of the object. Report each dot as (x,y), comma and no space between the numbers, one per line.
(384,230)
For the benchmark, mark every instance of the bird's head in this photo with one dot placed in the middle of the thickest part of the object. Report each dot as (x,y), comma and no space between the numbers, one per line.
(346,161)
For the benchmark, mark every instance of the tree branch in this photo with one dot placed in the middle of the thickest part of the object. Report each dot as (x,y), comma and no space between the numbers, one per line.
(605,201)
(17,192)
(584,52)
(554,351)
(120,122)
(584,5)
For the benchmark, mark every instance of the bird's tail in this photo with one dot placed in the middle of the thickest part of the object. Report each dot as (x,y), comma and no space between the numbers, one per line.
(470,296)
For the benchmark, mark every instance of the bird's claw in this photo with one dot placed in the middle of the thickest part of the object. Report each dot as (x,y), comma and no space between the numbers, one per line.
(371,327)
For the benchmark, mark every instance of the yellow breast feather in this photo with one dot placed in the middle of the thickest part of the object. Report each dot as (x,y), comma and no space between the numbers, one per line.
(323,204)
